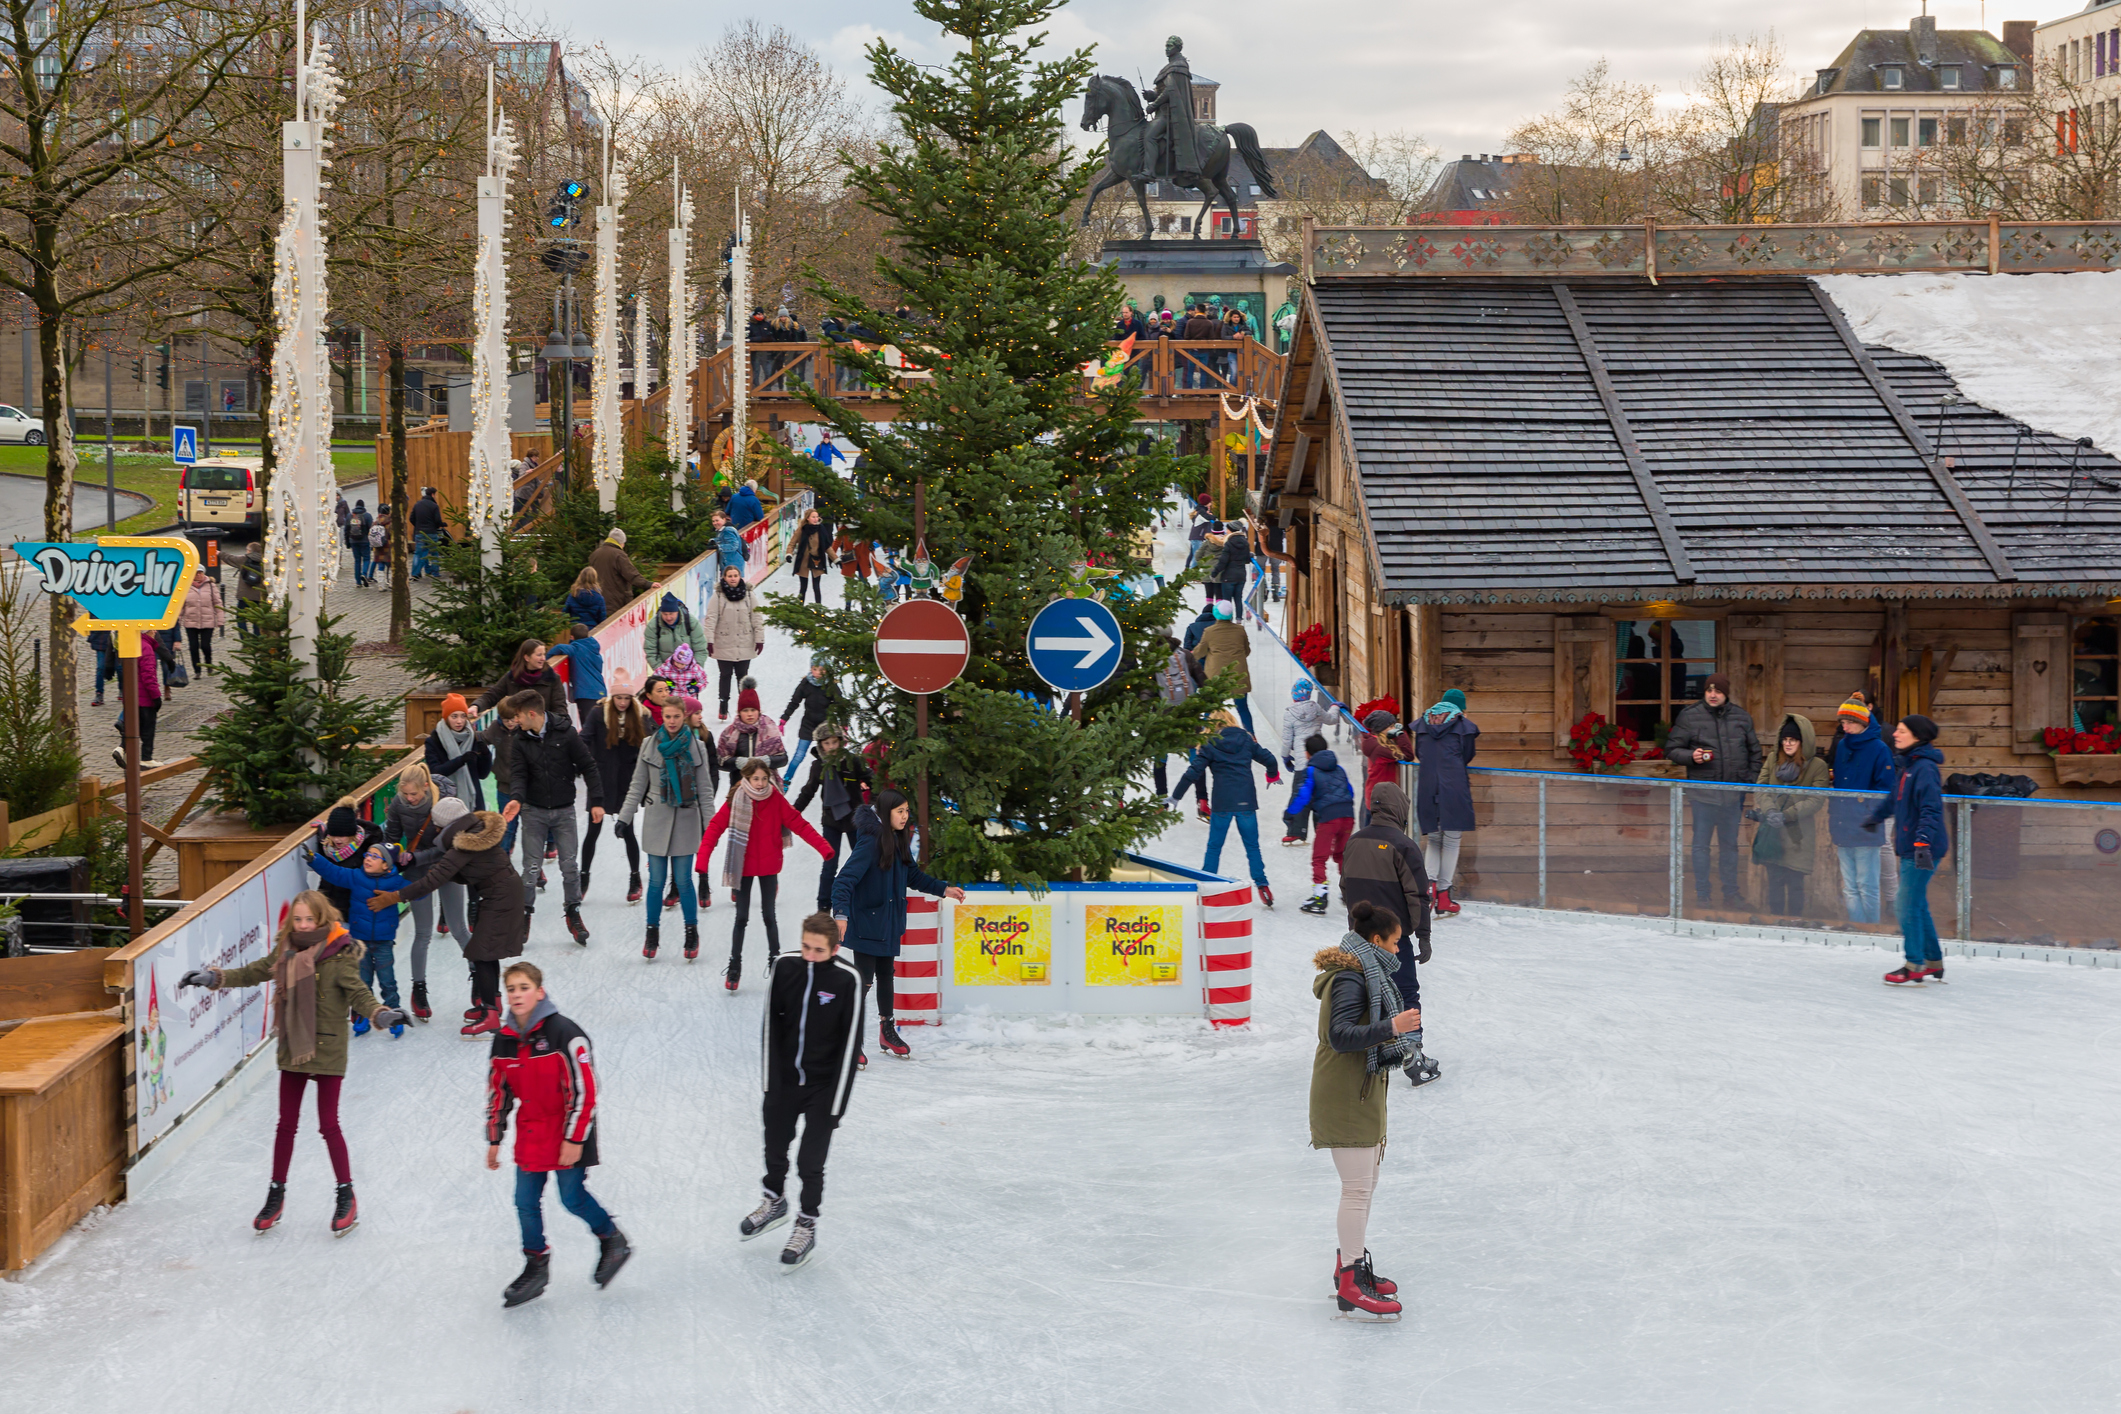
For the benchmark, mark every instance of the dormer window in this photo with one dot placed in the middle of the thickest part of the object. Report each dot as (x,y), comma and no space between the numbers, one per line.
(2007,76)
(1948,76)
(1826,79)
(1890,78)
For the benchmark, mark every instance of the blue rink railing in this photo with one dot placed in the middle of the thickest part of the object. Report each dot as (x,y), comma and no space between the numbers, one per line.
(2039,873)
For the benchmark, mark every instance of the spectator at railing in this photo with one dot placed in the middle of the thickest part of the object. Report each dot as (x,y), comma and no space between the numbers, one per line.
(745,507)
(616,576)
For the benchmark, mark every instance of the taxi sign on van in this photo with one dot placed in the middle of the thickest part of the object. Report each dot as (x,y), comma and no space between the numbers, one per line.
(129,584)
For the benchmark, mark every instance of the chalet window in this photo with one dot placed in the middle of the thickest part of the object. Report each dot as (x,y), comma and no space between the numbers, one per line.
(1926,132)
(1900,126)
(1948,76)
(2095,673)
(1659,665)
(1871,131)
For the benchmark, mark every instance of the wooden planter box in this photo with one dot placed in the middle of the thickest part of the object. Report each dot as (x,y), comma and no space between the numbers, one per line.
(62,1129)
(2088,770)
(212,847)
(423,712)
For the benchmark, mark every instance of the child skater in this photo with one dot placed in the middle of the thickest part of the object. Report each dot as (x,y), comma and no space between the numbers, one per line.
(757,819)
(315,968)
(376,931)
(541,1066)
(411,827)
(813,1029)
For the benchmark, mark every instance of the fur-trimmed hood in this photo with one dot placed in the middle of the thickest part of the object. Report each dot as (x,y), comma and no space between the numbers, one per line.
(1331,961)
(480,830)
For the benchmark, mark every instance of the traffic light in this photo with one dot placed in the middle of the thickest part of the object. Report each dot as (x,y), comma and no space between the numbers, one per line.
(140,369)
(565,209)
(162,369)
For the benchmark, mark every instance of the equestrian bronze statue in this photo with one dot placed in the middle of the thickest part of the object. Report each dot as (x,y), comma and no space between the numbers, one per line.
(1166,142)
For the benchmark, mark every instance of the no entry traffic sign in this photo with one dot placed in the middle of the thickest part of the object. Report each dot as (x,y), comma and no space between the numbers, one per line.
(921,646)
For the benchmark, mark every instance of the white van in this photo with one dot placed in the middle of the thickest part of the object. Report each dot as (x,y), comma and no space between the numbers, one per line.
(221,491)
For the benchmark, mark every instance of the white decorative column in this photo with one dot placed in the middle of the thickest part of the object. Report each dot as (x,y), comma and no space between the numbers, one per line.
(491,490)
(739,344)
(608,453)
(677,410)
(301,553)
(642,366)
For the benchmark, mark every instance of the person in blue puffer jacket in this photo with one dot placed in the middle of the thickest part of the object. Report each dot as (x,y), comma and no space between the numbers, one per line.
(1861,761)
(378,930)
(1226,759)
(869,902)
(1329,795)
(1916,808)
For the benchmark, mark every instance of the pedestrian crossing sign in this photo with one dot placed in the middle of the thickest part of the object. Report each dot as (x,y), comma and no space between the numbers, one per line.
(184,445)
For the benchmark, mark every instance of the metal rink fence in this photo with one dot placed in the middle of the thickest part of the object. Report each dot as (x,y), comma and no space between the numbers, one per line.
(2031,872)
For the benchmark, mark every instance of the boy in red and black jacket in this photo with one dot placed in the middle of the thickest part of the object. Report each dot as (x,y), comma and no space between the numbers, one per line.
(541,1063)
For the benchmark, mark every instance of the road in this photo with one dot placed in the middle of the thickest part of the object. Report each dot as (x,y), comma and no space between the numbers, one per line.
(22,507)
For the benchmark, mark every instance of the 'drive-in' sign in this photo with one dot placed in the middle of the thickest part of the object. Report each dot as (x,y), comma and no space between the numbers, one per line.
(122,581)
(921,646)
(1074,644)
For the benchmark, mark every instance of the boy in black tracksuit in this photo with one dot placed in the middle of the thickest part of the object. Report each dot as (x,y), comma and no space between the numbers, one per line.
(811,1031)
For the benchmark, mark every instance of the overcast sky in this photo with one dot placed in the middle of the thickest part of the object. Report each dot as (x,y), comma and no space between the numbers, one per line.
(1460,72)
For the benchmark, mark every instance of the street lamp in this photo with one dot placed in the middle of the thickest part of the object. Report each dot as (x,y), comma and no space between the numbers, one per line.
(1624,156)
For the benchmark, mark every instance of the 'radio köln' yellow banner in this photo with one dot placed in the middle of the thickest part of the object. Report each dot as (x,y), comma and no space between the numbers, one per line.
(1002,945)
(1133,945)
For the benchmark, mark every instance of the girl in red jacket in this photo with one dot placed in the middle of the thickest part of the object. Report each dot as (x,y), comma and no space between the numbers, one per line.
(758,819)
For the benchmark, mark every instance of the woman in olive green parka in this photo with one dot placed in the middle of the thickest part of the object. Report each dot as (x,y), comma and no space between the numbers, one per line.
(1362,1041)
(1787,841)
(315,969)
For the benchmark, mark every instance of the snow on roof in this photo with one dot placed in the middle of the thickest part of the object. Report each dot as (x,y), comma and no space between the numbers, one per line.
(2039,348)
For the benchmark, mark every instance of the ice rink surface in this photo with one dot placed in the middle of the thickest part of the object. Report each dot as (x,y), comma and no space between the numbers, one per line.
(1657,1174)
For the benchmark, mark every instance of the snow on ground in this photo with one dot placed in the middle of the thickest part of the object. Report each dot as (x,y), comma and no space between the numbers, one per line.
(1657,1174)
(2034,347)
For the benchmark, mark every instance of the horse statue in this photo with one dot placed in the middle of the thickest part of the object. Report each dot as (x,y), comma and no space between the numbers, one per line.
(1116,102)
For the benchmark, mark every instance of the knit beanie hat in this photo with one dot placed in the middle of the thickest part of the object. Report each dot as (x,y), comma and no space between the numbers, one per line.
(455,703)
(1924,729)
(1377,721)
(1719,683)
(1856,709)
(1222,609)
(343,822)
(691,704)
(448,810)
(1302,691)
(1790,730)
(1456,699)
(749,697)
(670,605)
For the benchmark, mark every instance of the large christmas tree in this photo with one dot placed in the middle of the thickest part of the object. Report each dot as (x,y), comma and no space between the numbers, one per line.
(1024,465)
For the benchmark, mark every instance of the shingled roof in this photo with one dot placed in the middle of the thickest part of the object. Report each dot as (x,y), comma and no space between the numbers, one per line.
(1599,441)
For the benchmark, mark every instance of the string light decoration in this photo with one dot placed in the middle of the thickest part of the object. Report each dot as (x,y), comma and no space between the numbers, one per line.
(301,558)
(677,408)
(491,488)
(608,454)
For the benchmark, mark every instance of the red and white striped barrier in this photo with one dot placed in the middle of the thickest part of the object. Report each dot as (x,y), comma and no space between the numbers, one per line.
(920,959)
(1226,946)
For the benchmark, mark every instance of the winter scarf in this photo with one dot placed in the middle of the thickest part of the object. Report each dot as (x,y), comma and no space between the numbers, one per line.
(457,744)
(734,593)
(1377,969)
(679,782)
(1444,712)
(1787,772)
(295,991)
(741,805)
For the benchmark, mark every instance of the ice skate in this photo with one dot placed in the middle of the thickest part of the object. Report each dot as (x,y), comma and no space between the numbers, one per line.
(692,942)
(1266,896)
(1905,973)
(537,1271)
(269,1216)
(577,927)
(420,1008)
(771,1212)
(1445,906)
(732,975)
(1293,841)
(612,1251)
(485,1023)
(1384,1287)
(652,941)
(633,888)
(1203,810)
(1358,1297)
(347,1214)
(1933,971)
(802,1244)
(360,1026)
(1420,1069)
(1316,903)
(887,1036)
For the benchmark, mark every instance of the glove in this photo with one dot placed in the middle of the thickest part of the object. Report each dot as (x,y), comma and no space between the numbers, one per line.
(1423,954)
(1274,780)
(1753,815)
(204,978)
(710,650)
(1288,763)
(1923,858)
(404,856)
(382,899)
(783,724)
(388,1016)
(1773,817)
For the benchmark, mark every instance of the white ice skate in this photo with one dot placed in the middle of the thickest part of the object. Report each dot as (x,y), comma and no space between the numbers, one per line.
(802,1244)
(771,1212)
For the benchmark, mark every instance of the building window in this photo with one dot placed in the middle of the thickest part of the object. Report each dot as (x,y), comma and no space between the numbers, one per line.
(1896,191)
(2014,132)
(1955,132)
(1900,126)
(1874,191)
(1889,78)
(2095,676)
(1872,128)
(1931,189)
(2007,76)
(1926,132)
(1255,191)
(1659,665)
(1948,76)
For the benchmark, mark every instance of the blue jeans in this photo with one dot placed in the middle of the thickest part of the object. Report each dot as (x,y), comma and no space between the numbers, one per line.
(1918,931)
(106,669)
(688,896)
(379,969)
(574,1197)
(361,562)
(1859,881)
(1243,703)
(1247,830)
(423,555)
(802,749)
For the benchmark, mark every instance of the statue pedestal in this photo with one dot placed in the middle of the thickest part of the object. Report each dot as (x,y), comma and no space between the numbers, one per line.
(1181,269)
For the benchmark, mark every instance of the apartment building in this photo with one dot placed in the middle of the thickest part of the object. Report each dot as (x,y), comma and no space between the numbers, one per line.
(1862,142)
(2079,59)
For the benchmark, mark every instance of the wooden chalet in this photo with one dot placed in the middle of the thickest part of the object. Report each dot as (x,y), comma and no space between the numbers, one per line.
(1576,471)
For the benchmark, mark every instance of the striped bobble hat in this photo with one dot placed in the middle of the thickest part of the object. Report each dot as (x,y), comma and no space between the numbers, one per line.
(1856,709)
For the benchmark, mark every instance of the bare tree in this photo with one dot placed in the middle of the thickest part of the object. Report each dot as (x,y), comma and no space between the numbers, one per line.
(2050,151)
(1722,159)
(1376,179)
(1576,177)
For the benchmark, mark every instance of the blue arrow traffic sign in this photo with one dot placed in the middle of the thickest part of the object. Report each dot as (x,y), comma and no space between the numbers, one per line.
(1074,644)
(184,445)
